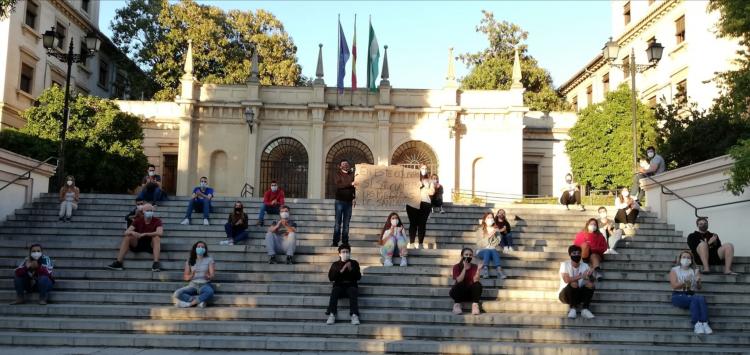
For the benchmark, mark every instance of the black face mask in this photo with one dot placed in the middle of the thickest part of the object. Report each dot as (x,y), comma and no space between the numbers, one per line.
(703,228)
(576,258)
(467,259)
(238,209)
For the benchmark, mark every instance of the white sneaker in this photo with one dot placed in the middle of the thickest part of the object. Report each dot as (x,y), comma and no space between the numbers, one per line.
(388,262)
(183,304)
(572,313)
(226,242)
(501,275)
(698,329)
(707,329)
(421,246)
(205,222)
(403,261)
(611,251)
(410,246)
(331,319)
(355,319)
(484,273)
(587,314)
(202,305)
(185,222)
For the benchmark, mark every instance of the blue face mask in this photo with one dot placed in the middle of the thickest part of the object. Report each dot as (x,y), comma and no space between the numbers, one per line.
(200,251)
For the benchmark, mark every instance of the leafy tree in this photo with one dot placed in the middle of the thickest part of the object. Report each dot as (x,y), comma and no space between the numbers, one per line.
(601,144)
(740,172)
(6,7)
(155,34)
(104,147)
(492,68)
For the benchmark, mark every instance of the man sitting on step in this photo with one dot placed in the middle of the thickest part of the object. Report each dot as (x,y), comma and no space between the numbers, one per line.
(576,283)
(200,201)
(282,237)
(708,249)
(135,213)
(143,235)
(273,198)
(344,274)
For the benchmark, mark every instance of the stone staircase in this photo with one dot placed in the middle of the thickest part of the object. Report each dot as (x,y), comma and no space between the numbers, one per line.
(280,308)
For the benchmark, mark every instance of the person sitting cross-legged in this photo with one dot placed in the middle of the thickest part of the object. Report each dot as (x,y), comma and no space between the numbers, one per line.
(467,287)
(708,249)
(236,226)
(199,270)
(685,280)
(344,273)
(273,199)
(576,283)
(282,237)
(34,274)
(392,239)
(200,201)
(143,235)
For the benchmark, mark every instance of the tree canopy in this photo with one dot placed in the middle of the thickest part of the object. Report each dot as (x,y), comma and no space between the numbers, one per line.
(155,34)
(600,146)
(6,7)
(492,68)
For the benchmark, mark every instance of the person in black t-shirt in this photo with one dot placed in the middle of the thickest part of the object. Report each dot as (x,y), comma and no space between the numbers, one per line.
(708,250)
(344,274)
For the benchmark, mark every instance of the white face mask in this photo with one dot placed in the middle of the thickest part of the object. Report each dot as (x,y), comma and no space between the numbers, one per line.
(36,255)
(489,221)
(423,171)
(625,193)
(344,256)
(394,222)
(151,173)
(70,182)
(592,228)
(204,184)
(139,207)
(284,215)
(650,154)
(148,214)
(603,215)
(274,188)
(685,262)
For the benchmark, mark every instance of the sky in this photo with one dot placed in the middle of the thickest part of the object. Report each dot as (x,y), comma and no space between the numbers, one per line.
(563,35)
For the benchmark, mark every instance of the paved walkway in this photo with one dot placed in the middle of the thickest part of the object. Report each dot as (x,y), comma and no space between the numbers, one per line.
(23,350)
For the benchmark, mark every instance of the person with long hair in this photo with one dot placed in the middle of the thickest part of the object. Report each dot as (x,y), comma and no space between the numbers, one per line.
(467,287)
(69,197)
(593,245)
(437,197)
(488,240)
(685,280)
(418,216)
(236,226)
(34,274)
(393,239)
(503,227)
(199,270)
(627,208)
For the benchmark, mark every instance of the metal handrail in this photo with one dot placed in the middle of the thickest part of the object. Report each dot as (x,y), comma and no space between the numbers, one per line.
(247,190)
(27,174)
(695,209)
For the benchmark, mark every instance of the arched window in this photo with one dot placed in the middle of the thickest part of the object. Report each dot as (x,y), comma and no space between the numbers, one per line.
(284,160)
(352,150)
(412,154)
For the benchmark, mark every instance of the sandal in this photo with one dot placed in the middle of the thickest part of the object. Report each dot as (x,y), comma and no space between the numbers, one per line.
(731,273)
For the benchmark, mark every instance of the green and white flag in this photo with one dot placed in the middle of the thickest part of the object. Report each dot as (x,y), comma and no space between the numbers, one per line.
(373,59)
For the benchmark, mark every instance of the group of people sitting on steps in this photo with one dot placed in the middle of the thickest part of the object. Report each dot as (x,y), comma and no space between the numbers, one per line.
(578,276)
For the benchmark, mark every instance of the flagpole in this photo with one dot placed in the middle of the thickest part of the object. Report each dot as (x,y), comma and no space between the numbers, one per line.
(354,62)
(338,55)
(367,86)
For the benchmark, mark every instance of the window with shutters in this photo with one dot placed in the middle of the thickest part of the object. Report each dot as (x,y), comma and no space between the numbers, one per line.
(679,34)
(626,13)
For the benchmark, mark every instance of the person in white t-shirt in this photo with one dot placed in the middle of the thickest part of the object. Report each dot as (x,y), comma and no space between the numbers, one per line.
(685,280)
(576,283)
(199,270)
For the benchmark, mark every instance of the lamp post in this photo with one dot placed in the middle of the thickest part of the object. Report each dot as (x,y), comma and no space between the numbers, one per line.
(250,118)
(653,52)
(92,46)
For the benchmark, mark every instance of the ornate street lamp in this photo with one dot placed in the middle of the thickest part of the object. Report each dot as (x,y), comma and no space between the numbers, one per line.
(92,46)
(653,52)
(250,118)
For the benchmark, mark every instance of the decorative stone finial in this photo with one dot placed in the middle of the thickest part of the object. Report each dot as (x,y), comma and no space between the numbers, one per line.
(516,72)
(254,78)
(189,61)
(319,69)
(384,75)
(450,78)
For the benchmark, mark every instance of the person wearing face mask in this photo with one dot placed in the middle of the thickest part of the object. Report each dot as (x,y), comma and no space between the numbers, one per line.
(199,270)
(488,240)
(609,231)
(593,245)
(282,237)
(273,198)
(200,201)
(236,226)
(576,284)
(685,280)
(571,193)
(437,197)
(345,194)
(151,187)
(418,216)
(503,227)
(344,273)
(708,250)
(656,165)
(393,239)
(144,235)
(627,208)
(466,287)
(69,196)
(34,274)
(136,212)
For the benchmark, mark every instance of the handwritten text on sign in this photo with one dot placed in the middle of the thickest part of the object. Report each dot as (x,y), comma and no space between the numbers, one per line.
(387,185)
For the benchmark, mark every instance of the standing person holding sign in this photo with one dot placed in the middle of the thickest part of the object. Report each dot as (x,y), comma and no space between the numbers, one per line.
(418,216)
(345,192)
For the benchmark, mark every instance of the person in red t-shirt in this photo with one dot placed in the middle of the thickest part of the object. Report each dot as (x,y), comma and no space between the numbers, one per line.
(593,245)
(143,235)
(272,200)
(467,287)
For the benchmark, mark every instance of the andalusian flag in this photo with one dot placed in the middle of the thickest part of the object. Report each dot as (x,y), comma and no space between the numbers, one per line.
(354,56)
(373,58)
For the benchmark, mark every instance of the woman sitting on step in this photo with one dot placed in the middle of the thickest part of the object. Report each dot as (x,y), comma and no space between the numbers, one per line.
(593,245)
(34,274)
(685,279)
(609,230)
(503,226)
(488,240)
(393,238)
(627,208)
(199,270)
(467,287)
(69,196)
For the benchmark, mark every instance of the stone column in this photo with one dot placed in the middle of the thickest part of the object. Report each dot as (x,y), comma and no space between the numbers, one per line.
(186,156)
(315,170)
(383,138)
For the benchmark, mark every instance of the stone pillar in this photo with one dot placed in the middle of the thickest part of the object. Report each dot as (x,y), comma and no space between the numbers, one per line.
(383,138)
(315,170)
(186,156)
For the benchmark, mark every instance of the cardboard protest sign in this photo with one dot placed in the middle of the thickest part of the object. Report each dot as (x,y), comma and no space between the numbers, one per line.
(387,185)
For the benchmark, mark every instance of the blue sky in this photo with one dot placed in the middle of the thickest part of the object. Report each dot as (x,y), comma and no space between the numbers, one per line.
(563,35)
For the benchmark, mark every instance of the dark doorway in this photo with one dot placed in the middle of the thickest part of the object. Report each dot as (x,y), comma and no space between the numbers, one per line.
(169,174)
(530,179)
